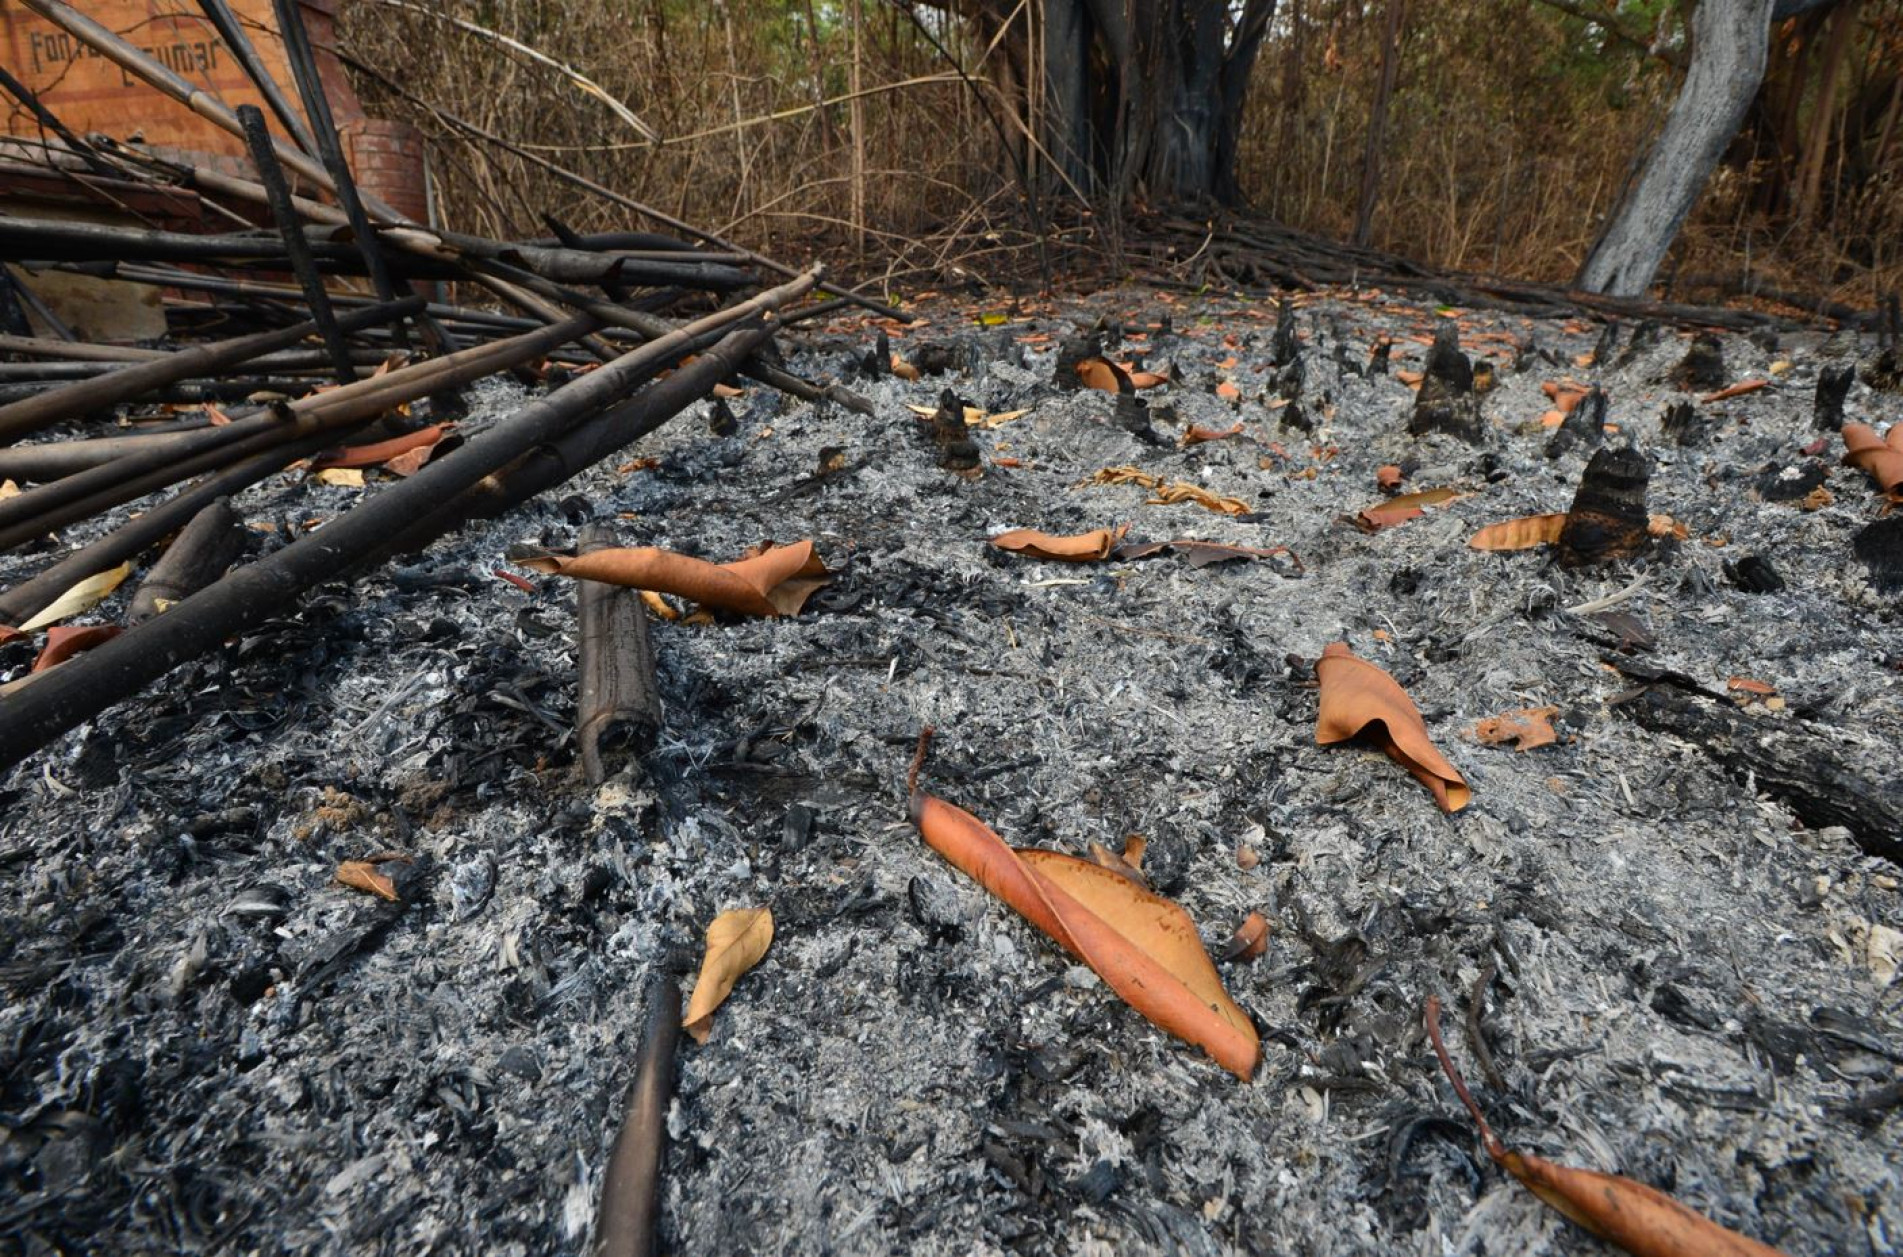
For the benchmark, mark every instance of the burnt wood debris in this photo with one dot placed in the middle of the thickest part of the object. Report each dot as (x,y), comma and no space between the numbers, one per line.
(314,328)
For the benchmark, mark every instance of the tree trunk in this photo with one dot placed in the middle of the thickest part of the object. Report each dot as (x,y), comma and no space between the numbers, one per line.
(1810,178)
(1730,44)
(1144,98)
(1378,123)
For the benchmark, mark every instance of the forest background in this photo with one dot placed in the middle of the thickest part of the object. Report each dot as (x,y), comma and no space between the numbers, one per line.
(913,142)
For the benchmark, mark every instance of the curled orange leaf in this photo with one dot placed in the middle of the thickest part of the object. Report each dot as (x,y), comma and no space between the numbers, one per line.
(1564,394)
(1104,376)
(1360,700)
(1879,458)
(1143,946)
(1197,434)
(776,581)
(1083,547)
(1519,534)
(1642,1220)
(1398,510)
(413,448)
(1250,940)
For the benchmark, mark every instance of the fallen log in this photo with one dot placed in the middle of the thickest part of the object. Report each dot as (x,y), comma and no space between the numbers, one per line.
(1823,775)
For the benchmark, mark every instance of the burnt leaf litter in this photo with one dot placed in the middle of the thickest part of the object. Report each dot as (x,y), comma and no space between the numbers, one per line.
(1664,929)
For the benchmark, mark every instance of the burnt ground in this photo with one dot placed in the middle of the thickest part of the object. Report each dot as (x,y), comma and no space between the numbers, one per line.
(208,1046)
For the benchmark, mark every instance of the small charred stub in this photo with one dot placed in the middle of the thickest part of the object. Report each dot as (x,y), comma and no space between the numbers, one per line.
(1702,369)
(1286,347)
(1833,385)
(1644,336)
(1608,518)
(1879,547)
(1446,402)
(1683,425)
(1584,425)
(1071,351)
(956,450)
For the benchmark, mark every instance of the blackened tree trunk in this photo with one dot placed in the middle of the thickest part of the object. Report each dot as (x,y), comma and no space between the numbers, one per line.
(1144,98)
(1730,45)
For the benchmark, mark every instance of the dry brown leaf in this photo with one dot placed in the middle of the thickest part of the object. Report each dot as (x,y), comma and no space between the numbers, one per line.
(1398,510)
(1358,699)
(1144,947)
(82,597)
(9,489)
(1526,728)
(1564,394)
(1179,491)
(905,370)
(1388,478)
(1104,376)
(1197,434)
(776,581)
(735,942)
(1642,1220)
(1881,458)
(1084,547)
(1410,378)
(62,643)
(363,875)
(1736,390)
(343,477)
(1251,939)
(1228,392)
(1666,526)
(1519,534)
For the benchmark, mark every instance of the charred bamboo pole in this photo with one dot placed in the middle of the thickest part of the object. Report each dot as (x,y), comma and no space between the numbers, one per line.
(81,496)
(81,689)
(240,46)
(586,444)
(630,1185)
(310,89)
(41,347)
(87,396)
(220,286)
(653,325)
(198,556)
(189,393)
(13,320)
(145,530)
(288,362)
(37,464)
(618,704)
(291,231)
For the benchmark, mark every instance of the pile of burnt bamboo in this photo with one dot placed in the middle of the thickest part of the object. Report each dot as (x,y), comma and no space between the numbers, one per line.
(324,351)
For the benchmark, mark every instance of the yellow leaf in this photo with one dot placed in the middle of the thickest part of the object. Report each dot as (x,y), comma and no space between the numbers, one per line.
(348,477)
(735,942)
(9,489)
(82,597)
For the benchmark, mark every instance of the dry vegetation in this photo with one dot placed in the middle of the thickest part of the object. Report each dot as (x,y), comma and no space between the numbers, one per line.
(843,130)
